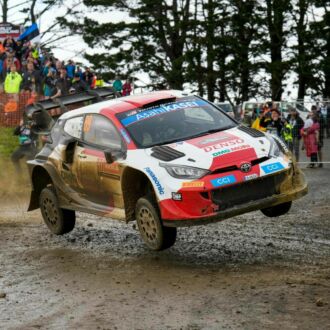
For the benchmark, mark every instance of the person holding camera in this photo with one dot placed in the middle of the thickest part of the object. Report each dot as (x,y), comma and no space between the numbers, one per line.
(27,144)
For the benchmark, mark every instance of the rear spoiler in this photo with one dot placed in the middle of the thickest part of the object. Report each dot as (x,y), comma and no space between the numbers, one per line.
(40,114)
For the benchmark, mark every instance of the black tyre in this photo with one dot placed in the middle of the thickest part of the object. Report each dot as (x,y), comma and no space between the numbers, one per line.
(59,221)
(277,210)
(154,234)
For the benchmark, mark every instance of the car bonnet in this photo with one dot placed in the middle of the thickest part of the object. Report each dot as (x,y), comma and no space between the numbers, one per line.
(212,151)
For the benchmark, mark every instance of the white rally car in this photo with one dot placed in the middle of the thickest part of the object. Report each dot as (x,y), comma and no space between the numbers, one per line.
(164,159)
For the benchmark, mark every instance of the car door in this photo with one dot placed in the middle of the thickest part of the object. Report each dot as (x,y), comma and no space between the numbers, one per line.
(98,176)
(69,151)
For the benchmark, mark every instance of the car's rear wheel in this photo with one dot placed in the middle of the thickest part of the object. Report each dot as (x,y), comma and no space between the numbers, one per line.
(59,221)
(277,210)
(155,235)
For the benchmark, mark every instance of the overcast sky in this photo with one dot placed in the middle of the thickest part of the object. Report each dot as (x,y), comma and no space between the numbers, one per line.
(73,47)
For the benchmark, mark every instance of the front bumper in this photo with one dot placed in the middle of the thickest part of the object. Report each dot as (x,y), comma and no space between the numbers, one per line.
(293,187)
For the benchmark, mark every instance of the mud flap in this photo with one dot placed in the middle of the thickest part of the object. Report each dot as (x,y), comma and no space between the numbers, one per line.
(34,201)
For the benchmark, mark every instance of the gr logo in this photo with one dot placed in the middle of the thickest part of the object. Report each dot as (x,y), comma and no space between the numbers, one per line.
(274,167)
(229,179)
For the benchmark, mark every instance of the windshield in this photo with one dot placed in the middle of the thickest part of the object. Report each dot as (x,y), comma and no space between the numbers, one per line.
(225,107)
(182,119)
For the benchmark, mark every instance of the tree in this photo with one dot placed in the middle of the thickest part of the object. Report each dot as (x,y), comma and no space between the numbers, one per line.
(302,60)
(320,30)
(244,48)
(225,49)
(276,11)
(4,8)
(154,37)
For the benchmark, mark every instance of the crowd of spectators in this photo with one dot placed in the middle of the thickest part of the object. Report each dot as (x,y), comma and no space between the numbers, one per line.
(24,69)
(292,129)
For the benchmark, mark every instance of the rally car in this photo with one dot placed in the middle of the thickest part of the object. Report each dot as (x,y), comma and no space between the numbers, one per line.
(164,159)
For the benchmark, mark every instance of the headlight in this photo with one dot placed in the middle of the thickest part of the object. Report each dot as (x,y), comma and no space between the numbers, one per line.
(184,172)
(274,149)
(283,147)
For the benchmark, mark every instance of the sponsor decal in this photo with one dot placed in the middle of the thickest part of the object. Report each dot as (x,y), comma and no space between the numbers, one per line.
(250,177)
(282,144)
(125,135)
(226,151)
(148,113)
(229,179)
(88,123)
(274,167)
(211,140)
(176,196)
(222,145)
(103,167)
(222,152)
(193,184)
(244,146)
(155,180)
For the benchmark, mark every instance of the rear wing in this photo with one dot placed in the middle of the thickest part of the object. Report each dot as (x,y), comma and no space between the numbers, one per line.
(42,116)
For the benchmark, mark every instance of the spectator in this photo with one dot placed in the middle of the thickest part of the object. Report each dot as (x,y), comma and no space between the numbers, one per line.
(297,124)
(2,59)
(273,124)
(31,59)
(47,67)
(93,85)
(58,67)
(13,81)
(287,134)
(10,58)
(78,84)
(19,50)
(127,87)
(319,119)
(80,73)
(31,79)
(88,77)
(64,83)
(310,133)
(99,81)
(51,88)
(9,42)
(27,144)
(117,85)
(70,69)
(2,48)
(256,123)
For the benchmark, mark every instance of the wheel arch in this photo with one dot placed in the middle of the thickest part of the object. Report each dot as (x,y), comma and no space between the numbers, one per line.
(135,184)
(40,179)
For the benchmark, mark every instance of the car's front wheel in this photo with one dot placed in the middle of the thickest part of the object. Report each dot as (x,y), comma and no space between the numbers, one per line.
(155,235)
(277,210)
(59,221)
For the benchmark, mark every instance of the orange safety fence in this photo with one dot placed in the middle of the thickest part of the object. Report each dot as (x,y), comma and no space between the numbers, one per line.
(12,107)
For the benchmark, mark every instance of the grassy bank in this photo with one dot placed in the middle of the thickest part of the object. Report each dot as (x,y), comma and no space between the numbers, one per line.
(8,142)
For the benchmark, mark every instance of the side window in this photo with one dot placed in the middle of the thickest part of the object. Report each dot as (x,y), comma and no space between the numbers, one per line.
(100,130)
(73,126)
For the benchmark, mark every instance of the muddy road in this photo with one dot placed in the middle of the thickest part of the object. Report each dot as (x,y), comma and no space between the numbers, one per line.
(249,272)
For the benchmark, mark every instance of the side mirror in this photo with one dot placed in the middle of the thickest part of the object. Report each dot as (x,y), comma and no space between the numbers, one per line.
(109,156)
(69,150)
